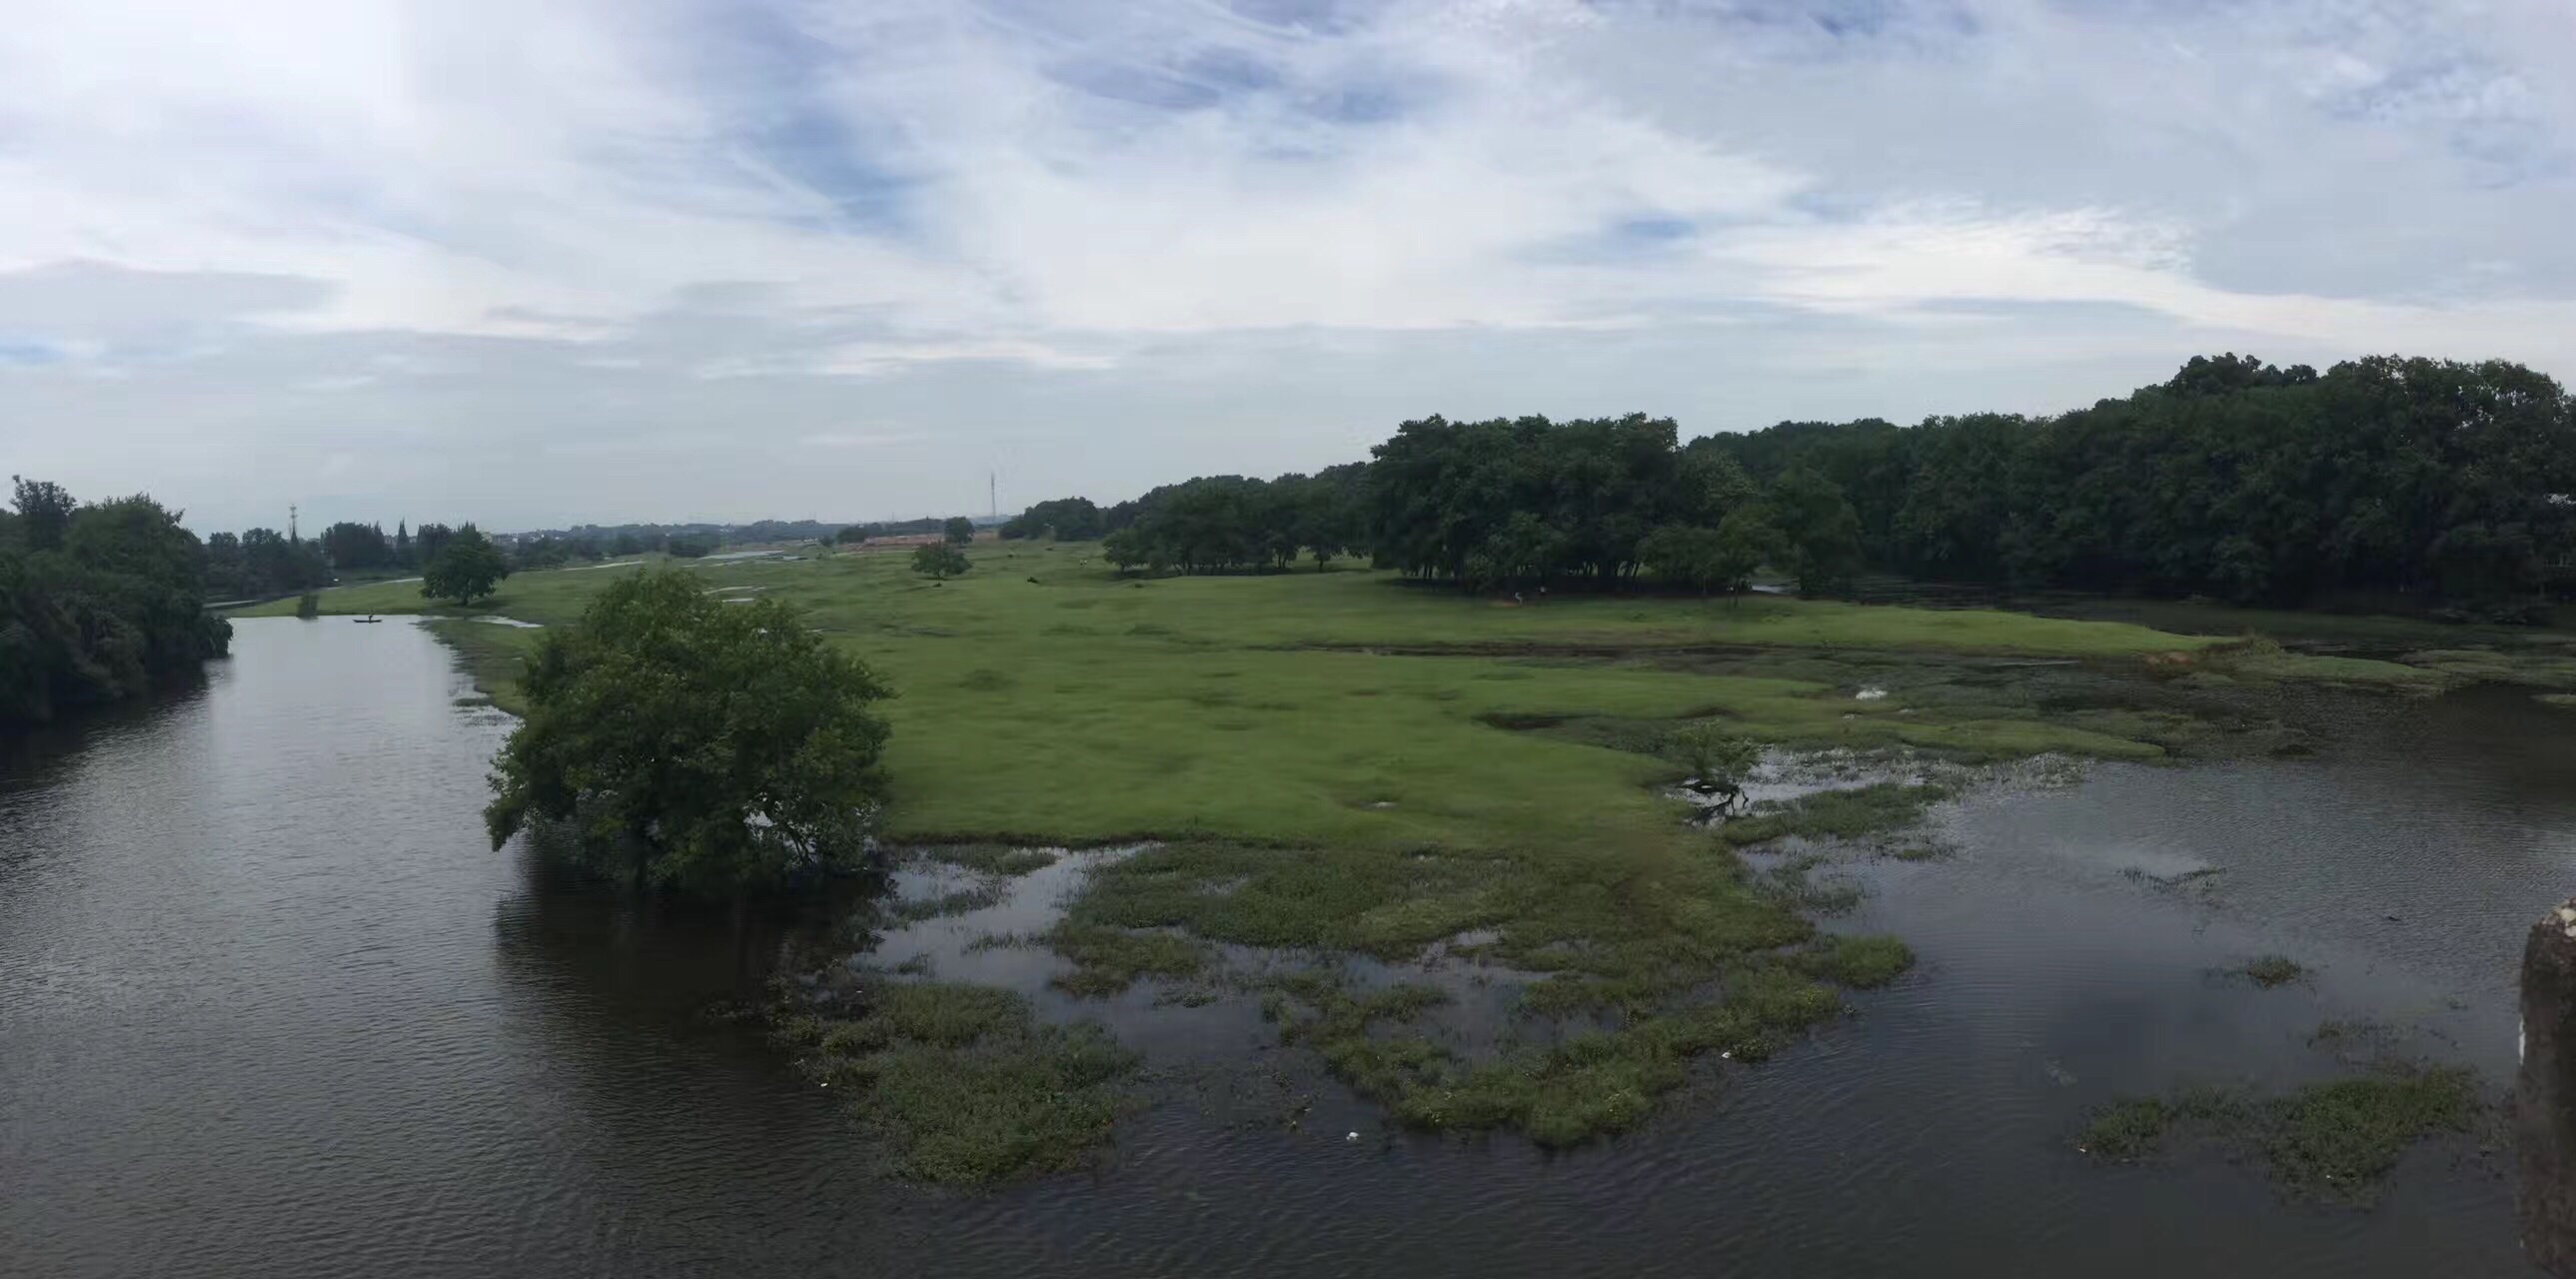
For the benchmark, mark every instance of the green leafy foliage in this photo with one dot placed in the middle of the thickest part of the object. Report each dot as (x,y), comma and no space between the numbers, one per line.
(939,560)
(2435,479)
(1819,530)
(1719,762)
(466,568)
(98,602)
(1066,519)
(2441,481)
(958,529)
(707,746)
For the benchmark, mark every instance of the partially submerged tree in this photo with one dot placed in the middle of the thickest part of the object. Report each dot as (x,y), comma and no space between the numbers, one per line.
(466,569)
(1719,763)
(938,560)
(694,744)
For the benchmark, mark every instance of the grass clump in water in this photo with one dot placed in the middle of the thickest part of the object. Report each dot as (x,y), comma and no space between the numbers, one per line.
(1587,1085)
(2340,1138)
(1107,960)
(2126,1129)
(992,859)
(905,911)
(2337,1139)
(1840,814)
(962,1083)
(2269,971)
(1861,963)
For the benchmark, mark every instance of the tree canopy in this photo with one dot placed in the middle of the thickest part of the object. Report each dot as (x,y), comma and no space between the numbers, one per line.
(939,560)
(98,602)
(1231,523)
(695,744)
(467,568)
(958,529)
(1509,501)
(1066,519)
(2447,484)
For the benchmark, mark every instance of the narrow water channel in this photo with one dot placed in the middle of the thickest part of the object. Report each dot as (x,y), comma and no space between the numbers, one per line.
(270,1006)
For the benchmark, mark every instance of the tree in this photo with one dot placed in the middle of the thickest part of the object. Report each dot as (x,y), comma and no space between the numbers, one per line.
(44,512)
(1818,530)
(1745,541)
(112,605)
(1719,764)
(959,530)
(694,745)
(939,560)
(270,565)
(427,541)
(1066,519)
(468,567)
(626,544)
(402,545)
(1686,555)
(349,544)
(1124,549)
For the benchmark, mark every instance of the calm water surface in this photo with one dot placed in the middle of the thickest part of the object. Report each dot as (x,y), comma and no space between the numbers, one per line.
(269,1006)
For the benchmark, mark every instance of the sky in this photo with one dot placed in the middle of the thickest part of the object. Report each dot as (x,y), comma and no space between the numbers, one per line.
(545,262)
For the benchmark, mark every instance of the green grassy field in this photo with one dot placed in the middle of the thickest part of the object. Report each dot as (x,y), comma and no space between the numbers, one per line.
(1086,707)
(1344,763)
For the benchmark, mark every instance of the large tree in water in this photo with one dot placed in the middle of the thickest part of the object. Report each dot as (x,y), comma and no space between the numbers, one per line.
(694,744)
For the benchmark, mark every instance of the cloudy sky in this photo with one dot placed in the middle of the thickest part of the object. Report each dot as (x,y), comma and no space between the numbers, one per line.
(543,261)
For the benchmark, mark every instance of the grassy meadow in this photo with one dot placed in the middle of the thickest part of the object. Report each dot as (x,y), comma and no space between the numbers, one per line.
(1305,708)
(1338,762)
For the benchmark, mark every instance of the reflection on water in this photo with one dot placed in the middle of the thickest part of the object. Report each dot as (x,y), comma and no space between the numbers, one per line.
(269,1005)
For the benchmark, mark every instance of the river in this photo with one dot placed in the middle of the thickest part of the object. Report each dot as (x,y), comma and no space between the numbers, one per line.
(270,1006)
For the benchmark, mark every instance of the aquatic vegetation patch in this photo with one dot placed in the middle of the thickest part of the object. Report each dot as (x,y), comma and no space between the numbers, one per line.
(1838,814)
(1009,860)
(2269,971)
(961,1082)
(902,911)
(1582,1086)
(1860,963)
(1109,960)
(2336,1140)
(2499,666)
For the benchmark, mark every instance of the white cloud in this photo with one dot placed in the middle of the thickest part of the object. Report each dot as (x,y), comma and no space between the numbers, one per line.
(341,255)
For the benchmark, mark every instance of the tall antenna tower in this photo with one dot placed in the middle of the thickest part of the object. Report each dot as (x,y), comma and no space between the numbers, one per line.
(291,537)
(993,492)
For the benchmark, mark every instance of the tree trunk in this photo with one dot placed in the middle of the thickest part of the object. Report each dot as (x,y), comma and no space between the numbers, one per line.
(2544,1103)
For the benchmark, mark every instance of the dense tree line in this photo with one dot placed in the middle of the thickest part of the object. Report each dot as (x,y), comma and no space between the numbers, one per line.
(2445,483)
(99,601)
(1223,523)
(1066,519)
(262,563)
(2442,482)
(857,533)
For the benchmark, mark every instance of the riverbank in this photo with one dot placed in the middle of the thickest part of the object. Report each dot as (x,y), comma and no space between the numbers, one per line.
(1371,776)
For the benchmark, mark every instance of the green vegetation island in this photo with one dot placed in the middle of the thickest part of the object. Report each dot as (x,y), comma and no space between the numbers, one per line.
(1495,697)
